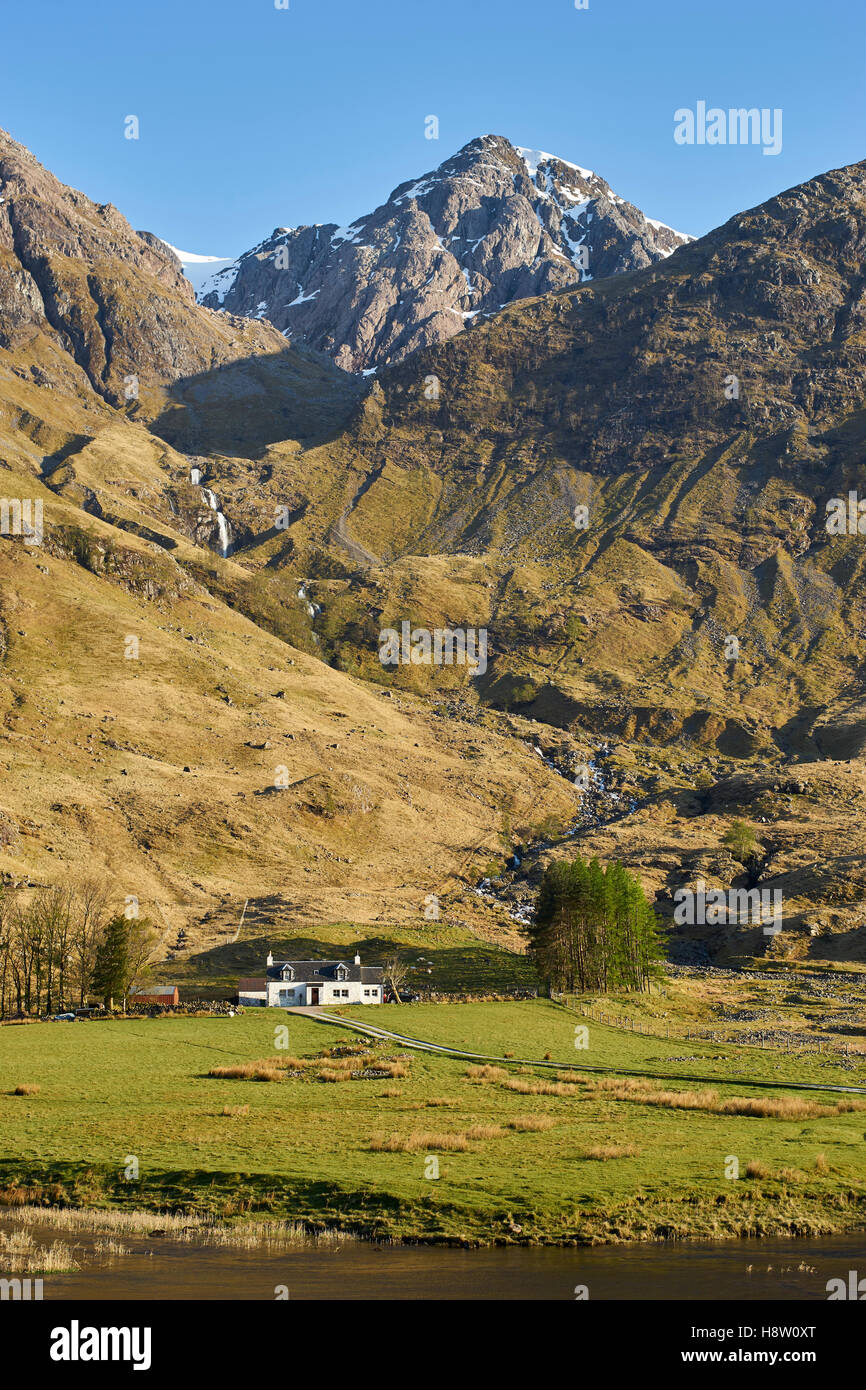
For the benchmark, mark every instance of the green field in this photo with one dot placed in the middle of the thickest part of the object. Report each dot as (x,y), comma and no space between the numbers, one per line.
(303,1148)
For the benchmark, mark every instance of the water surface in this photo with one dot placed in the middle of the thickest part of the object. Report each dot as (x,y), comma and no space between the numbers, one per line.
(160,1268)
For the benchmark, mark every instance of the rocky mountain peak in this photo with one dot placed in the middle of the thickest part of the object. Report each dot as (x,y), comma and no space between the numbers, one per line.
(493,224)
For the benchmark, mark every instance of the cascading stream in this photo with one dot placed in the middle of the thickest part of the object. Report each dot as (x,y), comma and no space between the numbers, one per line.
(223,528)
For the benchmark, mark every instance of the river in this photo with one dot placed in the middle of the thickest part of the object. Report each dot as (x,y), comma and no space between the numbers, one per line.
(749,1270)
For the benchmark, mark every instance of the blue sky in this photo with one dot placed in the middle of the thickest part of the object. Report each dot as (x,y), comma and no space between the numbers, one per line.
(253,117)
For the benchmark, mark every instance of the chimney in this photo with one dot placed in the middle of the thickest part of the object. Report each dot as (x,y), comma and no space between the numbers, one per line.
(270,958)
(357,960)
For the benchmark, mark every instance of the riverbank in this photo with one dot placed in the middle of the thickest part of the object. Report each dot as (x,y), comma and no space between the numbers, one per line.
(160,1267)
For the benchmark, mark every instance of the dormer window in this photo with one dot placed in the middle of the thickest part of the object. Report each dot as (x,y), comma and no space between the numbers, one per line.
(287,973)
(341,972)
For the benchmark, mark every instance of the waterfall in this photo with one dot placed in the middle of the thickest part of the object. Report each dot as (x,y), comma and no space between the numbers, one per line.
(225,534)
(223,529)
(312,608)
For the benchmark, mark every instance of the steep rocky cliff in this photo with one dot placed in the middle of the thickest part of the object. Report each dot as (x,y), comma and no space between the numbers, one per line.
(489,226)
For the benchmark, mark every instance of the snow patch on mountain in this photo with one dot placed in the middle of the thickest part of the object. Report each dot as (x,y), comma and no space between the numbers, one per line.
(199,270)
(493,224)
(533,158)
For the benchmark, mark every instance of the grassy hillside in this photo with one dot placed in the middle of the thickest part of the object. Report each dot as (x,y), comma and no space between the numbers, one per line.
(600,1160)
(355,507)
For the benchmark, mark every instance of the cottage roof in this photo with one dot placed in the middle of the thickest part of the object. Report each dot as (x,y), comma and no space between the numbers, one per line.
(155,989)
(316,971)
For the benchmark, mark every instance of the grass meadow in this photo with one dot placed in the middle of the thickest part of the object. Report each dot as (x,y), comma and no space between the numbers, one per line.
(352,1140)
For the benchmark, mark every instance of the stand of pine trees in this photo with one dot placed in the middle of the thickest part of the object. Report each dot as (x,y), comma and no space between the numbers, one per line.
(593,928)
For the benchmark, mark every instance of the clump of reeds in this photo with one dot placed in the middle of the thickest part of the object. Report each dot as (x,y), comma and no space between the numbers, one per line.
(21,1255)
(181,1226)
(419,1140)
(486,1073)
(526,1087)
(647,1092)
(484,1132)
(264,1070)
(756,1169)
(603,1152)
(110,1248)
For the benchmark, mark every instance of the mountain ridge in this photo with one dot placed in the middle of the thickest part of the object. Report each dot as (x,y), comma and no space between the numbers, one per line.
(452,507)
(492,224)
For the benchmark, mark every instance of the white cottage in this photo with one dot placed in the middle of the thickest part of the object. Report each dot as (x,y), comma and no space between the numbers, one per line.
(293,983)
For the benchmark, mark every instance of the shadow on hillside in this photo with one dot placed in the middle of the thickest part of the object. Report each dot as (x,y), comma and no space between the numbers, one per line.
(473,968)
(242,407)
(840,947)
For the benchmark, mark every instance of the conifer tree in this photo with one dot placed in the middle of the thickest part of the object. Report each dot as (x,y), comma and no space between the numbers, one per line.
(593,928)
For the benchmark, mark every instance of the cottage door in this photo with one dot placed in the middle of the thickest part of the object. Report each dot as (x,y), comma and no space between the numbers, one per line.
(314,994)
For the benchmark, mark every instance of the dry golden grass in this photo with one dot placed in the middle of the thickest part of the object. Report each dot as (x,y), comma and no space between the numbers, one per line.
(21,1255)
(785,1107)
(604,1083)
(484,1132)
(603,1152)
(419,1140)
(756,1169)
(26,1089)
(540,1088)
(459,1141)
(248,664)
(235,1110)
(110,1248)
(181,1226)
(434,1103)
(248,1071)
(346,1064)
(486,1073)
(646,1092)
(324,1067)
(821,1164)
